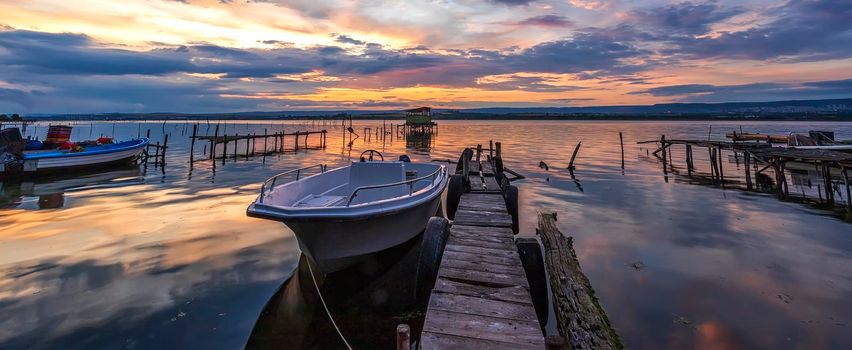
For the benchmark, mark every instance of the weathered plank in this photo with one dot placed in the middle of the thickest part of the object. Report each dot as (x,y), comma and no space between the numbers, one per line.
(484,258)
(478,243)
(515,294)
(491,184)
(483,327)
(487,169)
(490,234)
(431,340)
(481,251)
(484,307)
(482,218)
(482,201)
(482,266)
(486,279)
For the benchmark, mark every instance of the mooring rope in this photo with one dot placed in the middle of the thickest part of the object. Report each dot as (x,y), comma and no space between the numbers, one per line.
(327,312)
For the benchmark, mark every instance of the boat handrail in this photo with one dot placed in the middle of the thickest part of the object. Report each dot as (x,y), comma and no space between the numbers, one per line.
(298,172)
(410,184)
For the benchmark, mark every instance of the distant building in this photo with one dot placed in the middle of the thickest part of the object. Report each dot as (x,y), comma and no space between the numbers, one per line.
(418,116)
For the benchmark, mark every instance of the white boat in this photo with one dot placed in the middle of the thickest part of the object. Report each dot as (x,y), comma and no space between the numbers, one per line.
(91,157)
(342,215)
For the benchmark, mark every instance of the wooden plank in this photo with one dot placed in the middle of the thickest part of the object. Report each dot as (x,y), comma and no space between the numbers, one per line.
(482,218)
(484,327)
(480,202)
(487,169)
(429,340)
(476,184)
(482,251)
(483,307)
(482,266)
(492,185)
(515,294)
(485,233)
(491,259)
(456,240)
(486,279)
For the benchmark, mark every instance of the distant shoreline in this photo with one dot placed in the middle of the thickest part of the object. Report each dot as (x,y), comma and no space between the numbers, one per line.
(467,116)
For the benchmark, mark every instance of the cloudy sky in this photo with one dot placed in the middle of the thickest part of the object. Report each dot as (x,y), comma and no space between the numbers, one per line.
(91,56)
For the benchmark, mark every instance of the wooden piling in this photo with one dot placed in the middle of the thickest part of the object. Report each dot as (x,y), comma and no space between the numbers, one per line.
(574,156)
(192,142)
(403,337)
(579,316)
(621,141)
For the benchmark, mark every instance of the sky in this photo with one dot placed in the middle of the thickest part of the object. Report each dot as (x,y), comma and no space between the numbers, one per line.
(206,56)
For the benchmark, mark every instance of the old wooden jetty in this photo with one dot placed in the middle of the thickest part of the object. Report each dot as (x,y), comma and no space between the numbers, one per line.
(481,298)
(760,157)
(275,142)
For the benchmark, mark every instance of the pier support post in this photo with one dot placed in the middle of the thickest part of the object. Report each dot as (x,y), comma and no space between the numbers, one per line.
(192,142)
(403,337)
(621,141)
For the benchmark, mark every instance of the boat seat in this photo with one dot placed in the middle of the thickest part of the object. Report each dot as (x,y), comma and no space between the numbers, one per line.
(318,201)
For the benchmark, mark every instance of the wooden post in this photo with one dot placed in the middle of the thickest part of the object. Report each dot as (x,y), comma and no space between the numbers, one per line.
(225,148)
(499,151)
(478,152)
(192,142)
(248,140)
(157,152)
(297,141)
(848,193)
(579,316)
(719,162)
(663,147)
(621,141)
(490,149)
(213,142)
(165,147)
(574,156)
(403,337)
(747,164)
(236,144)
(688,159)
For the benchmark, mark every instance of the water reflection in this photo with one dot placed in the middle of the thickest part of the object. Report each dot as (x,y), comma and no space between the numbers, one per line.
(147,259)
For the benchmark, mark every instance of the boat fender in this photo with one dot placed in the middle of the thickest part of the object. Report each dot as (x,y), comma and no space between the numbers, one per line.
(431,251)
(466,154)
(532,259)
(455,188)
(511,197)
(404,158)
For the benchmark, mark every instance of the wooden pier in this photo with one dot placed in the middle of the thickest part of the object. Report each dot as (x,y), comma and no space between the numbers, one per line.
(277,141)
(481,298)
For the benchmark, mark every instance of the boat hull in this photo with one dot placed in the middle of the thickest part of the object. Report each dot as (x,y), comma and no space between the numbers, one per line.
(335,244)
(54,163)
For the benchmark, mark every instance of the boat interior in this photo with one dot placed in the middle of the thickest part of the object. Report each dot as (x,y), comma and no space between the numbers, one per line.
(367,181)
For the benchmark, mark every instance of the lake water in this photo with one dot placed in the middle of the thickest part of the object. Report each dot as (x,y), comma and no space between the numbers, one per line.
(151,257)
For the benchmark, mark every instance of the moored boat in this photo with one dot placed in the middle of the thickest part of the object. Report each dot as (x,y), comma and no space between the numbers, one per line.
(15,161)
(342,215)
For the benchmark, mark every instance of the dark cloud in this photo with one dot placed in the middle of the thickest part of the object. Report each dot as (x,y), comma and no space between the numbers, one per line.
(527,83)
(14,98)
(684,18)
(805,30)
(548,21)
(583,52)
(512,2)
(349,40)
(754,92)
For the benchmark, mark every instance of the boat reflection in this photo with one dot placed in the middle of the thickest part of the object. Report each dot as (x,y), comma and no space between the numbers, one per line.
(366,302)
(51,190)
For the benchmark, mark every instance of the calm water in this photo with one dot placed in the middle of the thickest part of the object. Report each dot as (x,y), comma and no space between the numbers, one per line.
(166,257)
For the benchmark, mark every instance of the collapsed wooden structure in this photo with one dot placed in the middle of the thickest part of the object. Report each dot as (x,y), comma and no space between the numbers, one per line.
(760,157)
(277,141)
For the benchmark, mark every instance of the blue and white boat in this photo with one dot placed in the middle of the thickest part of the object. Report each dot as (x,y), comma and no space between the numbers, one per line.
(91,157)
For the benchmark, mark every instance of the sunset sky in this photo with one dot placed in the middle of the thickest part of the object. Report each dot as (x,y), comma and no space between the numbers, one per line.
(94,56)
